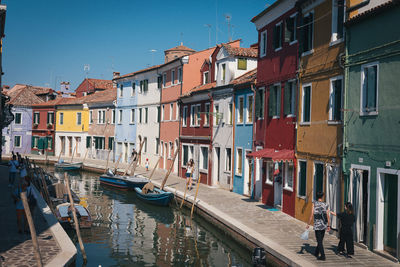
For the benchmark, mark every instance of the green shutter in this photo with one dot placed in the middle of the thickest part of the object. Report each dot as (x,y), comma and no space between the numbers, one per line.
(41,143)
(303,178)
(306,104)
(32,143)
(286,99)
(110,143)
(88,141)
(271,102)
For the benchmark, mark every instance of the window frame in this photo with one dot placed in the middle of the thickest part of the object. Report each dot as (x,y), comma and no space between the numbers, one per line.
(133,89)
(335,23)
(294,18)
(121,90)
(298,179)
(302,122)
(172,77)
(311,50)
(132,116)
(120,115)
(243,59)
(184,116)
(194,122)
(228,167)
(61,118)
(90,116)
(332,98)
(52,117)
(248,103)
(263,43)
(20,116)
(293,98)
(79,118)
(285,185)
(238,110)
(280,25)
(190,150)
(20,141)
(113,115)
(146,115)
(36,116)
(216,112)
(237,161)
(364,112)
(269,165)
(171,111)
(201,162)
(207,107)
(206,77)
(164,79)
(180,75)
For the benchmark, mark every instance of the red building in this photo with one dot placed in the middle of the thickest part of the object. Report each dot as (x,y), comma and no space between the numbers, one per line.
(43,127)
(275,104)
(89,86)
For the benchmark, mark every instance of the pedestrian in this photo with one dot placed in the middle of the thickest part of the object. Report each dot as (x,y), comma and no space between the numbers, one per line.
(347,220)
(189,173)
(146,164)
(13,168)
(320,212)
(21,216)
(134,154)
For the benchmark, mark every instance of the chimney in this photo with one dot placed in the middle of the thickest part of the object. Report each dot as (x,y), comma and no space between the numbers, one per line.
(116,74)
(64,87)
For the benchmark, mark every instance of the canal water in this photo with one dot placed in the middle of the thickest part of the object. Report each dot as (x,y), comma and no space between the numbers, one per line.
(129,232)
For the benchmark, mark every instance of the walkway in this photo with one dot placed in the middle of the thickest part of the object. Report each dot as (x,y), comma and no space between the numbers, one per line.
(276,231)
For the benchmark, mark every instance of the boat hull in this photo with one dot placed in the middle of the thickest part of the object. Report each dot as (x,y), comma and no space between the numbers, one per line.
(66,220)
(160,197)
(123,182)
(68,166)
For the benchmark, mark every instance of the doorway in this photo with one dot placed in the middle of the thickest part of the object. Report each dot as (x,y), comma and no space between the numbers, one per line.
(247,175)
(318,178)
(62,138)
(277,180)
(70,145)
(217,165)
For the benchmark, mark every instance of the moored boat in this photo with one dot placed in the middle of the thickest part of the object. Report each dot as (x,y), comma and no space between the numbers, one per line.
(65,217)
(156,196)
(68,166)
(123,182)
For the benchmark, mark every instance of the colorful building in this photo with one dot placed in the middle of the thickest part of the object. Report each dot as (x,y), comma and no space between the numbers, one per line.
(275,105)
(371,126)
(72,117)
(319,120)
(89,86)
(100,138)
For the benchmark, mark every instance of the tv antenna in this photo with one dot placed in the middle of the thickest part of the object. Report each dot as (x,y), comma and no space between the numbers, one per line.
(152,51)
(86,69)
(209,34)
(228,20)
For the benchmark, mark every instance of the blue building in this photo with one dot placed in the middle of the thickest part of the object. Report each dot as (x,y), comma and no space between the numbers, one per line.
(125,125)
(243,132)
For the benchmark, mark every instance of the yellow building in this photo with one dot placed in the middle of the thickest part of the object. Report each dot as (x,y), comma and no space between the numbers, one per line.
(72,116)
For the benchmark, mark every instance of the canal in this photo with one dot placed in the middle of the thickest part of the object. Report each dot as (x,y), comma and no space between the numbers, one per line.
(129,232)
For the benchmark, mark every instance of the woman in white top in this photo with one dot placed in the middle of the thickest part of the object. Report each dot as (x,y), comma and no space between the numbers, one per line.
(189,173)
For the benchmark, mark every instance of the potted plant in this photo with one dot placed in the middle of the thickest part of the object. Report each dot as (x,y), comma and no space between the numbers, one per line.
(49,125)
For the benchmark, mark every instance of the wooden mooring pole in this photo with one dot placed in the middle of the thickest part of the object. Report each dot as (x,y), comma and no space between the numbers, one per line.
(195,197)
(76,222)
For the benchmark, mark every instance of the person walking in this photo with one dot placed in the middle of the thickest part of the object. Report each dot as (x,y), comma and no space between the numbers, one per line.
(13,168)
(320,212)
(189,173)
(134,155)
(347,220)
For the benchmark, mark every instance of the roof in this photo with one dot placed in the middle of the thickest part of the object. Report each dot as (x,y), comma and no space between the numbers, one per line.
(248,77)
(137,72)
(275,155)
(102,96)
(372,12)
(37,90)
(265,10)
(54,102)
(23,97)
(202,87)
(241,51)
(100,84)
(180,48)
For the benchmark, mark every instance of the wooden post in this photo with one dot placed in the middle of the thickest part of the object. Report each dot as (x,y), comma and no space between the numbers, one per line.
(108,157)
(46,191)
(87,149)
(195,196)
(76,222)
(137,159)
(32,229)
(155,167)
(170,169)
(184,194)
(73,153)
(116,165)
(59,156)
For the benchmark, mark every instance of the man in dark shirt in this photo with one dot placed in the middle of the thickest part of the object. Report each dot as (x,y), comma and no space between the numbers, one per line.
(347,220)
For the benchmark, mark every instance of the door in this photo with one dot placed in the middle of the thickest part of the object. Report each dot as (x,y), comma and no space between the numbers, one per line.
(247,175)
(358,196)
(390,193)
(333,192)
(216,176)
(259,175)
(277,180)
(365,197)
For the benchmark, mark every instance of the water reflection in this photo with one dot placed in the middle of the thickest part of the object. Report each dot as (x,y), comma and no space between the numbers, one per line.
(129,232)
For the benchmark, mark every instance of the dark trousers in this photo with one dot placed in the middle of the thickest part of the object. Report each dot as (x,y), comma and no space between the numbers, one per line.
(346,238)
(319,235)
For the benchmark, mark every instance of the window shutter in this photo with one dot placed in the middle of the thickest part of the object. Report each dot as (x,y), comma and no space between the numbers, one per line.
(287,30)
(338,100)
(287,99)
(271,101)
(303,178)
(32,142)
(307,103)
(88,139)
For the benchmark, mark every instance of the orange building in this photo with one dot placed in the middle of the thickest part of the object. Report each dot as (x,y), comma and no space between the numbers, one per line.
(320,98)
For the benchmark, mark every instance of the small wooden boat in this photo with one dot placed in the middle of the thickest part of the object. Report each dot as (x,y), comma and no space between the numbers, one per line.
(65,217)
(123,182)
(68,166)
(156,197)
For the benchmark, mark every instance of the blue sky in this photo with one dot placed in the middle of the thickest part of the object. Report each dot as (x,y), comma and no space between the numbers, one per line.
(49,41)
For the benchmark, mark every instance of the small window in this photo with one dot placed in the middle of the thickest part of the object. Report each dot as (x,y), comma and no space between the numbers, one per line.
(290,29)
(306,104)
(207,115)
(180,75)
(120,116)
(336,99)
(91,117)
(308,32)
(133,115)
(61,118)
(242,64)
(289,98)
(110,143)
(172,76)
(259,103)
(274,105)
(140,115)
(17,141)
(163,113)
(204,158)
(159,82)
(217,114)
(270,173)
(337,20)
(184,116)
(133,89)
(50,118)
(249,109)
(240,110)
(79,118)
(369,89)
(230,115)
(157,145)
(185,155)
(278,36)
(263,43)
(223,66)
(18,118)
(158,114)
(164,80)
(289,173)
(171,111)
(205,77)
(228,159)
(239,161)
(302,184)
(121,90)
(145,145)
(146,115)
(36,118)
(113,116)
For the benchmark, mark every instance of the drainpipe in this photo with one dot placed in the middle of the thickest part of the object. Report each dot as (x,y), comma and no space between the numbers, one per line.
(252,87)
(180,120)
(233,139)
(159,116)
(211,136)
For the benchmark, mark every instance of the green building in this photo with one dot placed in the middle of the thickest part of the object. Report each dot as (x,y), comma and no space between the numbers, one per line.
(371,146)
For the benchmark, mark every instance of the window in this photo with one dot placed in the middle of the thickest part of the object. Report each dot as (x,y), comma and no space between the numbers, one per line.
(278,36)
(17,141)
(61,118)
(18,118)
(120,116)
(162,112)
(50,118)
(145,145)
(90,116)
(337,20)
(242,64)
(49,143)
(289,95)
(157,145)
(249,109)
(336,99)
(158,114)
(230,115)
(110,143)
(140,115)
(223,66)
(302,183)
(195,115)
(180,75)
(184,116)
(113,116)
(161,148)
(228,159)
(177,111)
(306,99)
(263,44)
(144,86)
(171,109)
(133,89)
(270,173)
(205,77)
(101,116)
(36,118)
(159,82)
(217,114)
(239,163)
(146,115)
(132,116)
(185,155)
(207,115)
(88,141)
(259,103)
(79,118)
(274,103)
(307,35)
(170,148)
(172,76)
(369,89)
(240,109)
(121,90)
(164,80)
(289,171)
(99,142)
(318,178)
(204,158)
(290,29)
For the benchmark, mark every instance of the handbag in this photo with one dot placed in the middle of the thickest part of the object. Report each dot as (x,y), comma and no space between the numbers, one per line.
(304,235)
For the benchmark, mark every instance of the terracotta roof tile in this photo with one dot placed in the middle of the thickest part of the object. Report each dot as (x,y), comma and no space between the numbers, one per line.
(137,72)
(241,51)
(54,102)
(37,90)
(248,77)
(101,84)
(23,97)
(102,96)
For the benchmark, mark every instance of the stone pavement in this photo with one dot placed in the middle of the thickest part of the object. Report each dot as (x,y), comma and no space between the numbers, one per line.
(17,249)
(276,231)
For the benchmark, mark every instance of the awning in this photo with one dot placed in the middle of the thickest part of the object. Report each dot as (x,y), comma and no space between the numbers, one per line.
(275,155)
